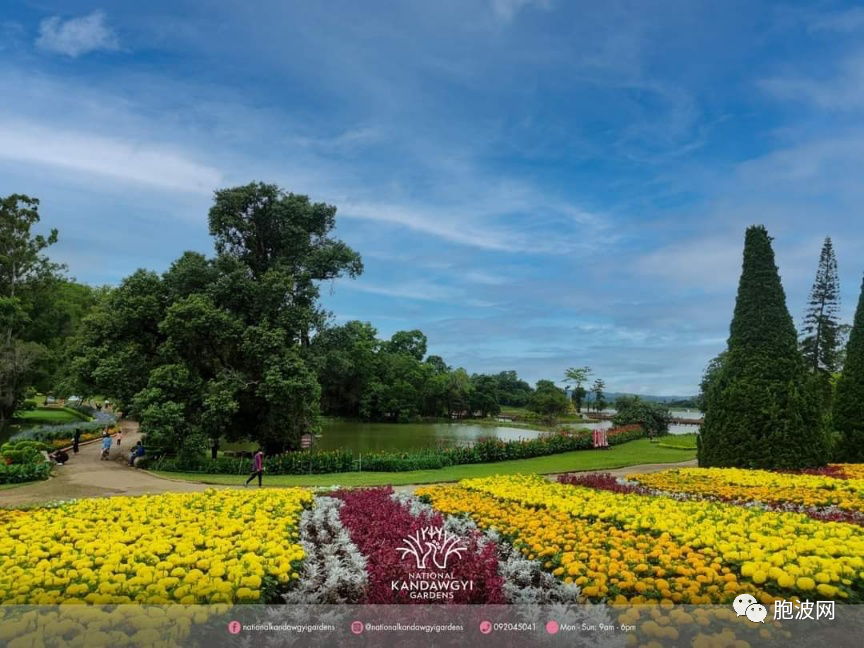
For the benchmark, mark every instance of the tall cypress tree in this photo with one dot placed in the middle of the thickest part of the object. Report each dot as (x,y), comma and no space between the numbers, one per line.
(760,409)
(849,404)
(820,336)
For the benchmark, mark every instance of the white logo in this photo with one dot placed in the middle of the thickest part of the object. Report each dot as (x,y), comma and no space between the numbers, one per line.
(434,543)
(742,602)
(746,605)
(756,613)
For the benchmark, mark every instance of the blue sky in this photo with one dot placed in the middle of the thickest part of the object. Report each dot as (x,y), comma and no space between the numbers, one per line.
(534,184)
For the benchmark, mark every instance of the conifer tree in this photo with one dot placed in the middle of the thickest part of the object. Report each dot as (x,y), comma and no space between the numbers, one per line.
(761,410)
(820,336)
(849,403)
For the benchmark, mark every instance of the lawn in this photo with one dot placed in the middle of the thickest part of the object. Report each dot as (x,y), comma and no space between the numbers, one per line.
(627,454)
(48,416)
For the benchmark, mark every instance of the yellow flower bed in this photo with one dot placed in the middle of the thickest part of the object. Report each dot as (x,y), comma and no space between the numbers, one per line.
(853,471)
(783,553)
(210,547)
(761,486)
(625,566)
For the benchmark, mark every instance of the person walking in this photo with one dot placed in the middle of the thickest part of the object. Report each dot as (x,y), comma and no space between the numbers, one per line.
(76,440)
(214,448)
(119,435)
(257,467)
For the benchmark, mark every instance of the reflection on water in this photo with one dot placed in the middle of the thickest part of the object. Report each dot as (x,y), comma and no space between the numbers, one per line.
(368,437)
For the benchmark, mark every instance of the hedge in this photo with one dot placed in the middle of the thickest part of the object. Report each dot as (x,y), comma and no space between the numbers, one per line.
(19,473)
(27,462)
(488,450)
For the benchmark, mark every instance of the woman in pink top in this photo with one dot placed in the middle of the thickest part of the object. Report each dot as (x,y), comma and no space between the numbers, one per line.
(257,467)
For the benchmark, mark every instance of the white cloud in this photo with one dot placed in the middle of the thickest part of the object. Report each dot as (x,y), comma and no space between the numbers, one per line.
(839,21)
(507,9)
(842,91)
(76,36)
(88,153)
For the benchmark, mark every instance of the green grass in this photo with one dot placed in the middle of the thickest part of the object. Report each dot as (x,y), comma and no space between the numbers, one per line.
(48,416)
(627,454)
(679,441)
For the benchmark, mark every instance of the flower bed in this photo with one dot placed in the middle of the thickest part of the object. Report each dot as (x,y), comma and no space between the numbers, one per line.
(736,484)
(781,554)
(210,547)
(334,570)
(605,561)
(379,526)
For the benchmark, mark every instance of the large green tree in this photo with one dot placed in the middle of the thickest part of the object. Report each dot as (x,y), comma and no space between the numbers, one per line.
(762,411)
(849,402)
(222,346)
(548,400)
(27,280)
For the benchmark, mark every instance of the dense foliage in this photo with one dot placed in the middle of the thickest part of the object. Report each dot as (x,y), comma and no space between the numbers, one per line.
(849,403)
(761,408)
(39,308)
(22,461)
(219,347)
(653,417)
(548,401)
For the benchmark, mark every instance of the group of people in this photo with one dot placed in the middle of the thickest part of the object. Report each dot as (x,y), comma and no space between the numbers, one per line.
(60,457)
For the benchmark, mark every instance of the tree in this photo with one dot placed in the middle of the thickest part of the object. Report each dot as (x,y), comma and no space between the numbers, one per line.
(223,346)
(411,343)
(548,400)
(576,376)
(653,417)
(843,332)
(820,335)
(26,274)
(849,402)
(712,371)
(761,409)
(484,395)
(599,396)
(512,391)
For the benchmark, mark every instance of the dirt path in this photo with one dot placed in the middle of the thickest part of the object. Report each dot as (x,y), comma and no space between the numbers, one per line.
(85,475)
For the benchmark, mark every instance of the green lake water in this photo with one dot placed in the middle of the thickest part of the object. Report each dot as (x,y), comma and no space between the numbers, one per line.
(366,437)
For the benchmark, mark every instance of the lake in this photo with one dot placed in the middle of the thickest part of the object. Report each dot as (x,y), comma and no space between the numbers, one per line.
(368,437)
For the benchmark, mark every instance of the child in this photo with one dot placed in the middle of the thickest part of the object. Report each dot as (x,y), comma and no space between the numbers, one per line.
(119,435)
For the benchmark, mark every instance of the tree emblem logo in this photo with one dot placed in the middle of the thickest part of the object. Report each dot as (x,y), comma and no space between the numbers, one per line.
(432,543)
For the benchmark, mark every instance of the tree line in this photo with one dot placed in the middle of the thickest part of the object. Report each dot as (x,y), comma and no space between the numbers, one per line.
(777,397)
(236,345)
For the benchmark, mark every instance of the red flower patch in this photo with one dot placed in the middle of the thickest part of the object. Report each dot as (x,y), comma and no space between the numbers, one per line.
(454,569)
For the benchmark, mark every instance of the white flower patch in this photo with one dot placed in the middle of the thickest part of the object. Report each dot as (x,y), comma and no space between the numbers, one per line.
(334,570)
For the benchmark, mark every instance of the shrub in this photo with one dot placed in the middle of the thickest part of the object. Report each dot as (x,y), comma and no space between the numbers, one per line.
(19,473)
(27,406)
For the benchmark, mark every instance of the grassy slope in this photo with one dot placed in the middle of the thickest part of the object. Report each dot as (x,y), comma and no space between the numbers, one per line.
(47,415)
(628,454)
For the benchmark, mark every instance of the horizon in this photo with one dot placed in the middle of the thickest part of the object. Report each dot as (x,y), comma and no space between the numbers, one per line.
(534,185)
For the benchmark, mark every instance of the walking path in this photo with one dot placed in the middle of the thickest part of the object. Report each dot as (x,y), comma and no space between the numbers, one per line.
(85,475)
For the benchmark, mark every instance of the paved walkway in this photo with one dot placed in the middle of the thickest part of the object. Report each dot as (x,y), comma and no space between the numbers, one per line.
(85,475)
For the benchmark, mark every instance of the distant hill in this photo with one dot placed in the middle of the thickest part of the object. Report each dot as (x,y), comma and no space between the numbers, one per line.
(611,397)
